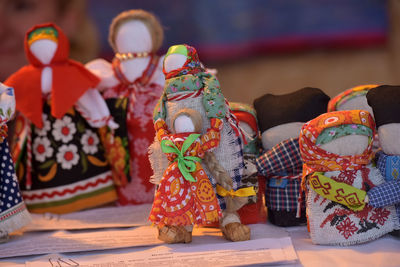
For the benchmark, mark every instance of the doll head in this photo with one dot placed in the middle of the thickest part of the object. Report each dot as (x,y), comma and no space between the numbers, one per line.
(181,60)
(135,31)
(351,99)
(281,117)
(337,140)
(187,121)
(385,102)
(42,42)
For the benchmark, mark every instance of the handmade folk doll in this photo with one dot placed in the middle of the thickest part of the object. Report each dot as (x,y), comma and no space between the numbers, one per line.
(188,85)
(185,195)
(385,102)
(13,212)
(336,148)
(254,210)
(280,119)
(59,158)
(135,79)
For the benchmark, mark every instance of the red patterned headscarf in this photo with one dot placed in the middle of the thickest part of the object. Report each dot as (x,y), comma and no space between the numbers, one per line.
(192,64)
(345,96)
(318,160)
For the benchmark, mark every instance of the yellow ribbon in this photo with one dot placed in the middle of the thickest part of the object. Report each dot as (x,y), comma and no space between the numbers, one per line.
(242,192)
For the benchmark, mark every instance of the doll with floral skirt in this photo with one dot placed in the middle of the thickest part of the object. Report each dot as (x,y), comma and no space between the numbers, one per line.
(13,212)
(59,158)
(336,149)
(185,195)
(132,85)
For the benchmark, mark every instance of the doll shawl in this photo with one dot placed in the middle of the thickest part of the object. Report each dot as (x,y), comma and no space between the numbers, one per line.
(345,96)
(70,81)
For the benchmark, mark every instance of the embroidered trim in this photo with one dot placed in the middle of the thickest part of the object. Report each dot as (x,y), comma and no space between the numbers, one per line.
(129,55)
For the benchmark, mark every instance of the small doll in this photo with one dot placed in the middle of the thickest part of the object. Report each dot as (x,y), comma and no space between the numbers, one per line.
(188,84)
(135,79)
(185,195)
(385,101)
(336,149)
(59,158)
(254,210)
(280,118)
(13,212)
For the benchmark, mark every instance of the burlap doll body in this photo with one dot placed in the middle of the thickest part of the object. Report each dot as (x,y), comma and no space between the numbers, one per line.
(280,118)
(135,80)
(188,85)
(185,196)
(337,147)
(13,212)
(253,210)
(59,158)
(385,103)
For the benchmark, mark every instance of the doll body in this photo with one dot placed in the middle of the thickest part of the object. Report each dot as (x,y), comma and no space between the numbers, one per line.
(382,99)
(13,212)
(281,118)
(59,157)
(188,85)
(184,200)
(136,77)
(336,149)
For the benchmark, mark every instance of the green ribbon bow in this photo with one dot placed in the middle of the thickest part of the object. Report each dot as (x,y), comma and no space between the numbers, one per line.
(186,164)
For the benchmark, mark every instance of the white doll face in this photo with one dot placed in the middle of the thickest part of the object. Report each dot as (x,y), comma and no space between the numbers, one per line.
(389,138)
(279,133)
(183,124)
(133,36)
(43,50)
(347,145)
(358,102)
(174,61)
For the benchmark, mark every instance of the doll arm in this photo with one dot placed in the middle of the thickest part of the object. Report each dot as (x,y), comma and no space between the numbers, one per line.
(158,76)
(94,109)
(102,69)
(7,103)
(161,128)
(384,194)
(213,99)
(284,157)
(212,137)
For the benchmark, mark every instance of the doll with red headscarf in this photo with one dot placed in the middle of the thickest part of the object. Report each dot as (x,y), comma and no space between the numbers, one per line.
(59,158)
(189,85)
(336,149)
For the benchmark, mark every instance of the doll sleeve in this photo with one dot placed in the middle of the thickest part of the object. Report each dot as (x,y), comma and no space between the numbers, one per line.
(210,140)
(384,194)
(284,157)
(93,108)
(102,69)
(213,99)
(161,129)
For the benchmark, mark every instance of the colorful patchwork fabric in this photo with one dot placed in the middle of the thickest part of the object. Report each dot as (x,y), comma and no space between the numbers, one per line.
(282,165)
(185,195)
(347,95)
(316,159)
(69,169)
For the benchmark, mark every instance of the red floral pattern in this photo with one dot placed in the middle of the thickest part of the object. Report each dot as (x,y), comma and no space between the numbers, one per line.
(380,216)
(347,228)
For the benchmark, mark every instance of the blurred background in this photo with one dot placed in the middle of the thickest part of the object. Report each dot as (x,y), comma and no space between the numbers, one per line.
(257,46)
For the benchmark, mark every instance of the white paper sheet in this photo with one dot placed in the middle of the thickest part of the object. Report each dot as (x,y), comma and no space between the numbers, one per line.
(36,243)
(126,216)
(259,251)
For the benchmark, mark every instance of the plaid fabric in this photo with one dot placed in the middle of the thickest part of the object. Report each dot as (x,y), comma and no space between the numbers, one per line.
(282,166)
(385,194)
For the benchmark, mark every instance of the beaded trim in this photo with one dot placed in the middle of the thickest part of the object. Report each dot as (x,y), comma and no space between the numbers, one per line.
(129,55)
